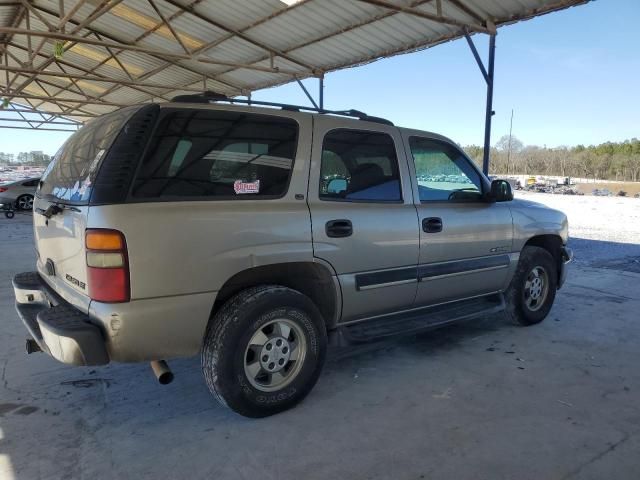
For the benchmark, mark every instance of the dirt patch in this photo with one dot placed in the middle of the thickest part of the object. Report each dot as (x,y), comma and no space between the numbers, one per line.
(630,187)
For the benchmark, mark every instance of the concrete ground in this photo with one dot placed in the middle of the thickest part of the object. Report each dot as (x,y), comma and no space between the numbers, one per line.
(483,400)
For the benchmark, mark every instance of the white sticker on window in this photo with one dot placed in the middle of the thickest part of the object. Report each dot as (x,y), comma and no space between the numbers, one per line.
(241,187)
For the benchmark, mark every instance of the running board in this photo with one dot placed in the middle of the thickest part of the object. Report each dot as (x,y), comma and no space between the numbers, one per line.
(420,320)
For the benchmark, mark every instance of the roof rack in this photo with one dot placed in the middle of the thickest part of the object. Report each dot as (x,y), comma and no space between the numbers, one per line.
(210,97)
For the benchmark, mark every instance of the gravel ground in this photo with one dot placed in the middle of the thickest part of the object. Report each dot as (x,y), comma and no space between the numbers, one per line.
(604,231)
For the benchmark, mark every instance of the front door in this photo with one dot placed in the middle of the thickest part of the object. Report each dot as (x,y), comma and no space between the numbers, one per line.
(363,217)
(465,240)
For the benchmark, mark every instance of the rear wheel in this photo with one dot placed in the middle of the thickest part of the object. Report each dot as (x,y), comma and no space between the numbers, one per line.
(25,202)
(264,350)
(533,288)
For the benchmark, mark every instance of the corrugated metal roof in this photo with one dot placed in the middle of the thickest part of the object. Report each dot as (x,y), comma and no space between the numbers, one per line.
(235,46)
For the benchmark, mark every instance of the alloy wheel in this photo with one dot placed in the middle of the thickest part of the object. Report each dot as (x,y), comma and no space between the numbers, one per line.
(275,354)
(536,288)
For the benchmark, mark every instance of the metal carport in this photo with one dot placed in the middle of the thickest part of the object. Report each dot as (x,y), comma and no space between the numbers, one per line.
(65,61)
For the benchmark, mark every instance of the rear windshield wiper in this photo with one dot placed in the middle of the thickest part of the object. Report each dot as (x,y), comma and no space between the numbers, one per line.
(55,209)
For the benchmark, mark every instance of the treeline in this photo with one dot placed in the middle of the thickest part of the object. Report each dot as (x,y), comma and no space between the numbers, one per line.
(32,159)
(607,161)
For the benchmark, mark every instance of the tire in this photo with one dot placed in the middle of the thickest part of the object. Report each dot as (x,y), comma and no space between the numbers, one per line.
(528,301)
(237,374)
(9,214)
(24,202)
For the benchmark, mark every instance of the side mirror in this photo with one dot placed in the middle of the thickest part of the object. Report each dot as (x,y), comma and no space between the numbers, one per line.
(337,185)
(501,191)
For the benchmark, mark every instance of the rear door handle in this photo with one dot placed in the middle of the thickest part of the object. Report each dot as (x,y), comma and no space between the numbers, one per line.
(339,228)
(432,225)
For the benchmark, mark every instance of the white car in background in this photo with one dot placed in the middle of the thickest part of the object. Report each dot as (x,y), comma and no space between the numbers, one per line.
(19,193)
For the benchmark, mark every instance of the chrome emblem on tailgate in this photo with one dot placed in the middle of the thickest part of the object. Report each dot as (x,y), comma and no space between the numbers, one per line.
(75,281)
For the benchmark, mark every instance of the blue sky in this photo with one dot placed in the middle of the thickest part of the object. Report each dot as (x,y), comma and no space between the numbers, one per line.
(571,77)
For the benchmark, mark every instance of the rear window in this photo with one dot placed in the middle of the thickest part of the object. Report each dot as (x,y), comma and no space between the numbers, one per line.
(71,173)
(218,154)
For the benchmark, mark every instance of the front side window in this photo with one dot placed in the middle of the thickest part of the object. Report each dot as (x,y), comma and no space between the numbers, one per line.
(211,153)
(443,172)
(359,165)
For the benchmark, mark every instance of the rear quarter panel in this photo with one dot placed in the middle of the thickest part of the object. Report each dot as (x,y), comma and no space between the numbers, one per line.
(185,247)
(181,248)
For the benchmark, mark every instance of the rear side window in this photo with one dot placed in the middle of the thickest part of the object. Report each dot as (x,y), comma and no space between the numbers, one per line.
(71,174)
(359,165)
(218,154)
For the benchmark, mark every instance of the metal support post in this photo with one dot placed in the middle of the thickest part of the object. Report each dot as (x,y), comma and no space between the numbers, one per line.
(489,112)
(306,92)
(487,73)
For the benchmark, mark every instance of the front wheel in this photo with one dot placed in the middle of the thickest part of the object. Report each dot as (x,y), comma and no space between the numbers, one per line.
(264,350)
(533,288)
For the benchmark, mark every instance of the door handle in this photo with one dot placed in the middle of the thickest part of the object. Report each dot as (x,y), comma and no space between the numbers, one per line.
(339,228)
(432,225)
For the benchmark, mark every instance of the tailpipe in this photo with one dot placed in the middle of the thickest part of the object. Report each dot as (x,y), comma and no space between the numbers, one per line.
(32,346)
(162,372)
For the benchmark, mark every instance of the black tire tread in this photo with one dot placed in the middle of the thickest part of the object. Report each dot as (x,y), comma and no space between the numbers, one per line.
(218,326)
(221,324)
(514,310)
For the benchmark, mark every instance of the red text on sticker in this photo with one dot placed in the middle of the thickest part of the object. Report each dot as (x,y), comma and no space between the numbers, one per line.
(246,187)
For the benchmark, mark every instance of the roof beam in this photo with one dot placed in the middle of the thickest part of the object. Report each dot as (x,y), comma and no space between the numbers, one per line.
(46,112)
(63,21)
(16,22)
(139,49)
(240,34)
(138,80)
(169,26)
(91,75)
(166,62)
(38,129)
(103,7)
(29,121)
(427,16)
(103,103)
(324,36)
(29,7)
(95,78)
(466,9)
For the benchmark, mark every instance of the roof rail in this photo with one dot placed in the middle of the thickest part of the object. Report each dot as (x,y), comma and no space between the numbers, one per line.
(210,97)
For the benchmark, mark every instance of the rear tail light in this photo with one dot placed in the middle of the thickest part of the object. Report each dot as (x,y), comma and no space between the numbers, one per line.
(3,189)
(107,266)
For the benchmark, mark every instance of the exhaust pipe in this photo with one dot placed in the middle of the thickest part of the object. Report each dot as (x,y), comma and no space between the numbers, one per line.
(32,346)
(162,372)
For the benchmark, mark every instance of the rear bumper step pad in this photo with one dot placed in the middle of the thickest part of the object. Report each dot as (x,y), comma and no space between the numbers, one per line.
(58,328)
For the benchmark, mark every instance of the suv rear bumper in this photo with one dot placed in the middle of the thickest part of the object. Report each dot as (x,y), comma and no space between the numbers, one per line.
(567,258)
(58,328)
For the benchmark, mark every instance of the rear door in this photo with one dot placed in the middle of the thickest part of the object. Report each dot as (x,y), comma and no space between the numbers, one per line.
(363,217)
(465,241)
(68,183)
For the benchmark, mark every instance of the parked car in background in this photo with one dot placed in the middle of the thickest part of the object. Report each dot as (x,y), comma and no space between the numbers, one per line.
(19,193)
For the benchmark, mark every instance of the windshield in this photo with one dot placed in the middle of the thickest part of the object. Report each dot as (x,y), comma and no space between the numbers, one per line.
(71,173)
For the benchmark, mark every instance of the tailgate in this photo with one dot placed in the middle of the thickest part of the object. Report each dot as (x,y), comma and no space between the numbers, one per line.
(61,251)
